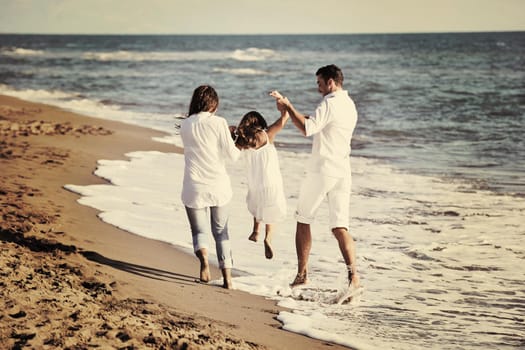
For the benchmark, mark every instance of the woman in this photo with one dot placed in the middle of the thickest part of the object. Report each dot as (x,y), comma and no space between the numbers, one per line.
(206,190)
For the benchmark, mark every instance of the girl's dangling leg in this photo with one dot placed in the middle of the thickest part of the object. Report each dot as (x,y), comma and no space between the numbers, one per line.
(268,251)
(255,231)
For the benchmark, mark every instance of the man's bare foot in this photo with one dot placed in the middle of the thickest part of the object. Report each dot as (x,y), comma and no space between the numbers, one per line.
(353,277)
(254,236)
(268,251)
(300,279)
(354,281)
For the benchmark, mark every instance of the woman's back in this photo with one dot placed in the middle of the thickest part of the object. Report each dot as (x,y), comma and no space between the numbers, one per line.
(207,148)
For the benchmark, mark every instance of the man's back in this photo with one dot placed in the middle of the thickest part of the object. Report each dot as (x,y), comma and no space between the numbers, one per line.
(332,125)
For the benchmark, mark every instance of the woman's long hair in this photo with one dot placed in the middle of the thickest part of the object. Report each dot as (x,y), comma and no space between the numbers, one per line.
(204,99)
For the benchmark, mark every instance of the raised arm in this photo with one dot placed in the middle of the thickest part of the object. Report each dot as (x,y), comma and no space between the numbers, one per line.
(278,125)
(298,118)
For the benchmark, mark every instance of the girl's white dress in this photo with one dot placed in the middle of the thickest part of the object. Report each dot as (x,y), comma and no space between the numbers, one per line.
(265,198)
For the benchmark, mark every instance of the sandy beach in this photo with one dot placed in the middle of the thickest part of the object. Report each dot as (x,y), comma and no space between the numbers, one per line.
(68,280)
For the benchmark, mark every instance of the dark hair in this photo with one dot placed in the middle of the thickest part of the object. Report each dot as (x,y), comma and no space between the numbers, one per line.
(251,124)
(204,99)
(331,72)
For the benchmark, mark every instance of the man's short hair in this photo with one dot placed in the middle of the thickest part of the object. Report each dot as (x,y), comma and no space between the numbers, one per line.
(331,72)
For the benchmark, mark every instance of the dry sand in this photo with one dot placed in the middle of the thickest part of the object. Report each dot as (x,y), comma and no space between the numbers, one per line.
(68,280)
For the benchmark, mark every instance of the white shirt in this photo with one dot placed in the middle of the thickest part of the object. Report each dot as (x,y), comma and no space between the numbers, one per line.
(207,147)
(332,125)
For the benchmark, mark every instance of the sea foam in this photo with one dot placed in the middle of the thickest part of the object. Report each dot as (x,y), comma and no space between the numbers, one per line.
(406,239)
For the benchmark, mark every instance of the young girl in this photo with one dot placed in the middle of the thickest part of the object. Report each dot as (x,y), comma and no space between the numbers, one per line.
(265,198)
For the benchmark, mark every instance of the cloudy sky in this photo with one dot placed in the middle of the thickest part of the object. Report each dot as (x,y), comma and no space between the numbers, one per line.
(259,17)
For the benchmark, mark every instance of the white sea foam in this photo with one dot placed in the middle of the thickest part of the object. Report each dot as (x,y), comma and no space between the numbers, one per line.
(77,103)
(241,71)
(409,229)
(123,55)
(37,95)
(18,51)
(254,54)
(250,54)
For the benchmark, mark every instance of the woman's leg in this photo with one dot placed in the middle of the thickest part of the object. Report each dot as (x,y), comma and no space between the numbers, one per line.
(219,228)
(198,219)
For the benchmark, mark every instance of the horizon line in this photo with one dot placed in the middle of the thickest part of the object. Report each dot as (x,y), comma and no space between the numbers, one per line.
(266,34)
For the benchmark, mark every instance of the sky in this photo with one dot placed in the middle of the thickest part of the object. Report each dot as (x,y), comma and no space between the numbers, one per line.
(259,17)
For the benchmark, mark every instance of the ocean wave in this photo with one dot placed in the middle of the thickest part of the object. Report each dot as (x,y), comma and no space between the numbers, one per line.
(245,55)
(104,109)
(38,95)
(254,54)
(240,71)
(18,51)
(249,54)
(123,55)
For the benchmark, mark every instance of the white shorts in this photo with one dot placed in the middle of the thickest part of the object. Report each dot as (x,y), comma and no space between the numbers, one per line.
(314,189)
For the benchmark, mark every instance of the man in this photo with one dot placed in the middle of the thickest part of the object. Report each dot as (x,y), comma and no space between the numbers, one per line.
(329,172)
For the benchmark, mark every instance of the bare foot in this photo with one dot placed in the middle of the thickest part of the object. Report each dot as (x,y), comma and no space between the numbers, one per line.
(205,273)
(354,281)
(300,279)
(205,267)
(268,251)
(227,278)
(254,236)
(353,278)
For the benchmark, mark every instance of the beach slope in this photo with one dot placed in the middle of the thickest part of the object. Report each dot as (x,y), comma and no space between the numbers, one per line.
(68,280)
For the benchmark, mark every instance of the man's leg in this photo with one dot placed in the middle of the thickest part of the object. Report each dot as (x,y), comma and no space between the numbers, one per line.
(303,245)
(311,195)
(347,248)
(339,207)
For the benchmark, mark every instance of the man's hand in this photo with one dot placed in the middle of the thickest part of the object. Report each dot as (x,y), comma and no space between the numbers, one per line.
(276,94)
(282,102)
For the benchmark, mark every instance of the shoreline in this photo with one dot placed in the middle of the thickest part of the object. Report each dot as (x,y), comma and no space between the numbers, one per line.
(69,279)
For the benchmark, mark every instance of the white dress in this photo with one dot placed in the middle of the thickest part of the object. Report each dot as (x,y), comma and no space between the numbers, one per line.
(265,199)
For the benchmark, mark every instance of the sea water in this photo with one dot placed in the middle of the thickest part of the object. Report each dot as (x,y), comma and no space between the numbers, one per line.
(438,158)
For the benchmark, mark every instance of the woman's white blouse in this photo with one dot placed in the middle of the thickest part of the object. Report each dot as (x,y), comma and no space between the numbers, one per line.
(208,146)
